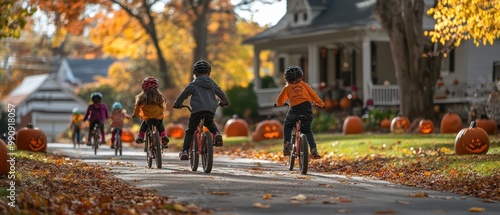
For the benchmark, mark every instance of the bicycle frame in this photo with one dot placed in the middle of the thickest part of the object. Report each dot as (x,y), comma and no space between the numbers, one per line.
(118,141)
(96,137)
(152,145)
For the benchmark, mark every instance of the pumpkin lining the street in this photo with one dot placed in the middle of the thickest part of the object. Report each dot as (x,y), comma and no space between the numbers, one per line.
(175,130)
(400,125)
(268,129)
(31,138)
(4,157)
(236,127)
(426,126)
(471,140)
(352,125)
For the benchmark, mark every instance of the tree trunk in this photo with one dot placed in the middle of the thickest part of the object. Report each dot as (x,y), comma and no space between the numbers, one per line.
(417,67)
(200,35)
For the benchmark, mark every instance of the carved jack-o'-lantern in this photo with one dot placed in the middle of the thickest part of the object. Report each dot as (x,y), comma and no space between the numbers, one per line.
(31,139)
(268,129)
(175,130)
(236,127)
(426,126)
(472,140)
(400,125)
(451,123)
(4,157)
(352,125)
(127,135)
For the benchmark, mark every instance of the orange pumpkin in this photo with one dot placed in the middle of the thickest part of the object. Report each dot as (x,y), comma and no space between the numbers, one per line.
(451,123)
(127,135)
(400,125)
(4,157)
(345,102)
(426,126)
(472,140)
(330,103)
(489,125)
(268,129)
(352,125)
(175,130)
(31,139)
(385,123)
(440,83)
(236,127)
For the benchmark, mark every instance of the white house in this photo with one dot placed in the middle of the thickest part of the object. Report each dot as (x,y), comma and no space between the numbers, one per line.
(340,43)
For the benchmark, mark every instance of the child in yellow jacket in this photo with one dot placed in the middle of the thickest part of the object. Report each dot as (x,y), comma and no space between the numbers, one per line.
(150,104)
(301,97)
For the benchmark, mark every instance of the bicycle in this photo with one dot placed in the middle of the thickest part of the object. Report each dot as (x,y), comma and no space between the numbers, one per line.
(118,141)
(77,139)
(152,144)
(203,144)
(96,138)
(300,146)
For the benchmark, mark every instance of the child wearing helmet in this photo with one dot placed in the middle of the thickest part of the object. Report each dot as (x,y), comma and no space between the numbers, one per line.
(150,104)
(97,113)
(76,124)
(202,90)
(301,97)
(118,116)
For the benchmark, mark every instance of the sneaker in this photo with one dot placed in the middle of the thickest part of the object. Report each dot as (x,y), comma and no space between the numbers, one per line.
(287,147)
(314,153)
(218,140)
(183,155)
(112,146)
(164,141)
(139,140)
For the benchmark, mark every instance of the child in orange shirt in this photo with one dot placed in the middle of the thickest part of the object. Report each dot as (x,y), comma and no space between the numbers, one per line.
(118,117)
(301,97)
(76,124)
(150,104)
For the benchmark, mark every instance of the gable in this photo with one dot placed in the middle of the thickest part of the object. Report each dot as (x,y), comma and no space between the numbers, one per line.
(85,70)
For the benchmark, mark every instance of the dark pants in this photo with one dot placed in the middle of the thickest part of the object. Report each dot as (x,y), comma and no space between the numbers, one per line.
(77,133)
(101,127)
(113,132)
(194,120)
(160,127)
(291,118)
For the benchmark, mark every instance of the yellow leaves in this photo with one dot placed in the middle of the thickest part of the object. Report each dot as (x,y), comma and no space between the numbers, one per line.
(476,209)
(267,196)
(260,205)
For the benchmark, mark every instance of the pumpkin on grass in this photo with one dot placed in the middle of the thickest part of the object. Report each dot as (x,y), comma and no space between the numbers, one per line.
(451,123)
(472,140)
(236,127)
(127,136)
(175,130)
(352,125)
(31,139)
(4,157)
(268,129)
(489,125)
(400,124)
(426,126)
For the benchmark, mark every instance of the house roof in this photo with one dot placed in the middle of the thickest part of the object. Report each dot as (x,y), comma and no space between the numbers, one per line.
(334,14)
(29,85)
(85,70)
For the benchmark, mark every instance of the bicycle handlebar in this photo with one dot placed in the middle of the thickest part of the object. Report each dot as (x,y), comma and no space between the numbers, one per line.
(286,104)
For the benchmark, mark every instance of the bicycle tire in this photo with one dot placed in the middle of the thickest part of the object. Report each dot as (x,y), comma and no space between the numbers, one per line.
(291,157)
(96,139)
(157,149)
(148,150)
(207,155)
(193,154)
(303,154)
(116,143)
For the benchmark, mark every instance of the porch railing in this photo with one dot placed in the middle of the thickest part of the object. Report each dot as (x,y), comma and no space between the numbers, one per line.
(384,94)
(267,97)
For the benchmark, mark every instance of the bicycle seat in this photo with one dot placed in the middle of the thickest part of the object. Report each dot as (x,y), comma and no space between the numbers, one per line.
(151,122)
(301,117)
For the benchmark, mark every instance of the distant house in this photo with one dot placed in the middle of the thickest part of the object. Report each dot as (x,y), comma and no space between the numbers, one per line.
(340,43)
(46,102)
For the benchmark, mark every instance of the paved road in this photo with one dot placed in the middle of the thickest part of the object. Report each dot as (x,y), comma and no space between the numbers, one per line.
(241,186)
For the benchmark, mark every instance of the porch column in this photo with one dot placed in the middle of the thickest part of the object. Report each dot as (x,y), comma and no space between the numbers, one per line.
(313,69)
(367,71)
(256,69)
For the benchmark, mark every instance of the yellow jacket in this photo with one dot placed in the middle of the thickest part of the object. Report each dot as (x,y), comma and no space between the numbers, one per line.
(298,93)
(146,111)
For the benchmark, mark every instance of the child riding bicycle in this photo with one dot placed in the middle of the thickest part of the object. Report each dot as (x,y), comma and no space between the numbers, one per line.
(97,113)
(150,104)
(301,97)
(76,124)
(118,116)
(202,90)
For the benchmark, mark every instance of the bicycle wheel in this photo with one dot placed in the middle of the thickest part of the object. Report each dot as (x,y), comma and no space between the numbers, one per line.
(291,158)
(149,154)
(96,139)
(193,154)
(303,154)
(157,149)
(207,155)
(117,135)
(73,137)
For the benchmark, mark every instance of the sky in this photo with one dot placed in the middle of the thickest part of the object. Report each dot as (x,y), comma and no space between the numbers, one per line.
(265,13)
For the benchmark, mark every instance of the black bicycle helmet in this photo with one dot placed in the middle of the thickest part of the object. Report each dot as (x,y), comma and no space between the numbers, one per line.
(96,96)
(201,67)
(293,73)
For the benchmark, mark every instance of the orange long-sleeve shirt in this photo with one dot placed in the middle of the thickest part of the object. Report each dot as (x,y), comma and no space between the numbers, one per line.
(298,93)
(149,111)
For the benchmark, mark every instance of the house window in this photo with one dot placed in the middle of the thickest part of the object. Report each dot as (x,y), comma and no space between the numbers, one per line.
(300,17)
(281,64)
(448,62)
(296,18)
(304,15)
(496,71)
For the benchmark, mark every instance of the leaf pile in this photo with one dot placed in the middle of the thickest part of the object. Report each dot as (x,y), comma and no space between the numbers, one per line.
(424,170)
(52,184)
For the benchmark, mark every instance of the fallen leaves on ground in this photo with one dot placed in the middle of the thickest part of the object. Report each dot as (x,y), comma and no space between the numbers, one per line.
(416,172)
(54,184)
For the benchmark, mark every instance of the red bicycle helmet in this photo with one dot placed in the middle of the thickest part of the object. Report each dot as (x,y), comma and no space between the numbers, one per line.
(149,82)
